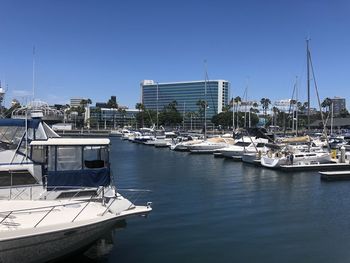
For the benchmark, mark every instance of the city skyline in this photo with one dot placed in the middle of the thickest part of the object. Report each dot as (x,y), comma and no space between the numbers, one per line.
(93,49)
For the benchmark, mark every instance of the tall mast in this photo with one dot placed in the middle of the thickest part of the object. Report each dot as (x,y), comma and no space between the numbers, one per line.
(157,104)
(297,110)
(205,99)
(308,83)
(33,84)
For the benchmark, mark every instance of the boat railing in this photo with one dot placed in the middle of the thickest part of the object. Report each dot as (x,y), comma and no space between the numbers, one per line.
(134,194)
(48,209)
(17,192)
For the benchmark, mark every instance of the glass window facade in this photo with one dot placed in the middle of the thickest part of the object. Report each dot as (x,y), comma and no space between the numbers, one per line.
(186,94)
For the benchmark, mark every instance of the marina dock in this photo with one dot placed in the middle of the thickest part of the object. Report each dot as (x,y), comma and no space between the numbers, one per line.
(335,175)
(335,166)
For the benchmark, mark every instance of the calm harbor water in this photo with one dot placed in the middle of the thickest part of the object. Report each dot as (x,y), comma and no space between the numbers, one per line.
(214,210)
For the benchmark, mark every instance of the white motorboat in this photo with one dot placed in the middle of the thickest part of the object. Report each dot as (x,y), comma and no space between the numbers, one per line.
(183,145)
(244,145)
(275,160)
(41,231)
(56,195)
(126,134)
(210,145)
(252,157)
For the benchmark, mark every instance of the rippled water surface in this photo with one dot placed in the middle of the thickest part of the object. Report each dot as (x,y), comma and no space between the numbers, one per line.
(214,210)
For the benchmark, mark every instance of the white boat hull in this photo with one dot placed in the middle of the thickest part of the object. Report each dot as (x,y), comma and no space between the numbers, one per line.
(43,247)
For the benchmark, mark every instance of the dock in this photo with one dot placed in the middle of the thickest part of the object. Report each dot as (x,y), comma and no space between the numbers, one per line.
(335,175)
(334,166)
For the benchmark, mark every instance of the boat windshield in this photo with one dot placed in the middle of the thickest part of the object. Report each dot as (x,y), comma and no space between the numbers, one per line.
(243,144)
(10,137)
(260,144)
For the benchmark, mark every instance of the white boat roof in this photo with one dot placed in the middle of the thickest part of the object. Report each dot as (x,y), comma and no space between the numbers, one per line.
(72,141)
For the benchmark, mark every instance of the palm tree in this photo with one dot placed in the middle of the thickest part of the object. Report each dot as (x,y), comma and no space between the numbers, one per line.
(327,103)
(265,102)
(123,112)
(84,105)
(275,111)
(141,109)
(172,105)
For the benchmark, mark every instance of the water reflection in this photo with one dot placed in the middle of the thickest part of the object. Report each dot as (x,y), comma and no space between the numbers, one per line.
(99,251)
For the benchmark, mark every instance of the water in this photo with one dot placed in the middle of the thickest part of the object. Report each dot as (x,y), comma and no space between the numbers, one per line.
(209,209)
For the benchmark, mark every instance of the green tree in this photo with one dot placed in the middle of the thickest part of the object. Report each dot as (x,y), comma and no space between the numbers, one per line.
(122,112)
(201,108)
(170,116)
(326,104)
(344,113)
(275,112)
(146,117)
(265,102)
(15,105)
(112,103)
(139,106)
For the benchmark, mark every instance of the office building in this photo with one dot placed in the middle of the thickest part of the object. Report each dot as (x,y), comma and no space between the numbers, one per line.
(111,118)
(339,104)
(75,102)
(156,96)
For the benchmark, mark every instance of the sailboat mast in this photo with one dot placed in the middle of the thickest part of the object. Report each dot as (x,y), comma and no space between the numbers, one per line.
(297,110)
(33,84)
(308,83)
(205,99)
(157,104)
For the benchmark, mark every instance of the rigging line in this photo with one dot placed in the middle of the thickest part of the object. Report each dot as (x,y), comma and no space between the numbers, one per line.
(319,101)
(211,95)
(290,105)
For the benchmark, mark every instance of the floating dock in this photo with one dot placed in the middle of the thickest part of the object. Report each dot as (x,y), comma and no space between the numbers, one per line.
(334,166)
(335,175)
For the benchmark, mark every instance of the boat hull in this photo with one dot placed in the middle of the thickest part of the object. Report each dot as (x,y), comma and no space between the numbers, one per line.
(43,247)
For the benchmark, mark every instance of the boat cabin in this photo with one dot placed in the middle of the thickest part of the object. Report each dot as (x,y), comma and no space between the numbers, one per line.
(73,162)
(31,153)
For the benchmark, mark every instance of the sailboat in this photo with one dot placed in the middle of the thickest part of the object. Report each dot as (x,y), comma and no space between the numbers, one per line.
(299,156)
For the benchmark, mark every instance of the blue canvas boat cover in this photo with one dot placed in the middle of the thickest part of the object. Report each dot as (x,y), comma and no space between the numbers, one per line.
(32,123)
(79,178)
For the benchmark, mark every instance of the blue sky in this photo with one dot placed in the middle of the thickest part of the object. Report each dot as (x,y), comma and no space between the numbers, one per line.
(97,48)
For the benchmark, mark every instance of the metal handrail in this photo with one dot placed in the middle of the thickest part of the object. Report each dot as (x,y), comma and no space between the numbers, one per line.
(45,216)
(6,217)
(96,194)
(41,207)
(87,202)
